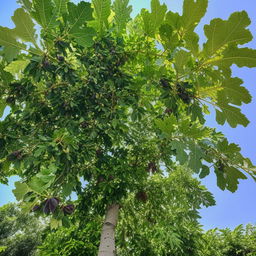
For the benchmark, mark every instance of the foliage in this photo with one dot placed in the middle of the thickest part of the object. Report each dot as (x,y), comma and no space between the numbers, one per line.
(20,234)
(225,242)
(106,101)
(160,219)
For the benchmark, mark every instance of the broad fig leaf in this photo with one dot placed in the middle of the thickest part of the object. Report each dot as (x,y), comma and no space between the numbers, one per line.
(173,19)
(242,57)
(225,148)
(234,93)
(6,77)
(233,175)
(122,13)
(24,26)
(44,13)
(228,178)
(168,36)
(8,39)
(196,113)
(61,7)
(78,15)
(204,172)
(181,60)
(16,66)
(20,190)
(195,157)
(223,32)
(180,148)
(26,4)
(101,12)
(153,20)
(10,53)
(193,11)
(84,36)
(167,126)
(192,42)
(230,114)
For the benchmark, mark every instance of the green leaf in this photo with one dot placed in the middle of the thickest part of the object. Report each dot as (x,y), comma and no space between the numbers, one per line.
(223,32)
(26,4)
(10,53)
(24,26)
(196,113)
(78,15)
(193,11)
(192,42)
(195,157)
(242,57)
(173,19)
(232,177)
(234,93)
(84,36)
(67,189)
(181,60)
(44,13)
(55,223)
(122,13)
(204,172)
(229,113)
(2,107)
(153,20)
(167,125)
(20,190)
(102,12)
(180,148)
(43,179)
(16,66)
(168,36)
(8,39)
(6,77)
(226,148)
(61,7)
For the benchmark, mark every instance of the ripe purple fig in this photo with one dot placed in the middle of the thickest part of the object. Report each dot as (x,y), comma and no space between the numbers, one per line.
(152,167)
(50,205)
(60,58)
(68,209)
(142,196)
(36,208)
(16,155)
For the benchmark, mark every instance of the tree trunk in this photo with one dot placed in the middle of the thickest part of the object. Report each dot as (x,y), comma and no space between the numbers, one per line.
(107,240)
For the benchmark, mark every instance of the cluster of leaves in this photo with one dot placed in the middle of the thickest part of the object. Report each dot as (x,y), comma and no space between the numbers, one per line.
(165,223)
(95,98)
(225,242)
(20,233)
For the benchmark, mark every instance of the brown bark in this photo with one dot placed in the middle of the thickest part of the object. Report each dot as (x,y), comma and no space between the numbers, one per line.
(107,240)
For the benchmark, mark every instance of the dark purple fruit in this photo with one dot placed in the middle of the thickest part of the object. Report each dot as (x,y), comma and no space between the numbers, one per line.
(50,205)
(84,124)
(142,196)
(152,167)
(165,83)
(10,100)
(60,58)
(36,208)
(99,152)
(16,155)
(100,179)
(68,209)
(46,64)
(168,111)
(111,177)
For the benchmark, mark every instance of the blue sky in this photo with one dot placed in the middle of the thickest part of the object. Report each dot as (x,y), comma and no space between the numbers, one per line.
(232,209)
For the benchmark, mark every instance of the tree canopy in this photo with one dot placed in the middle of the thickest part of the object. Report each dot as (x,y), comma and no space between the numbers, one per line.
(101,103)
